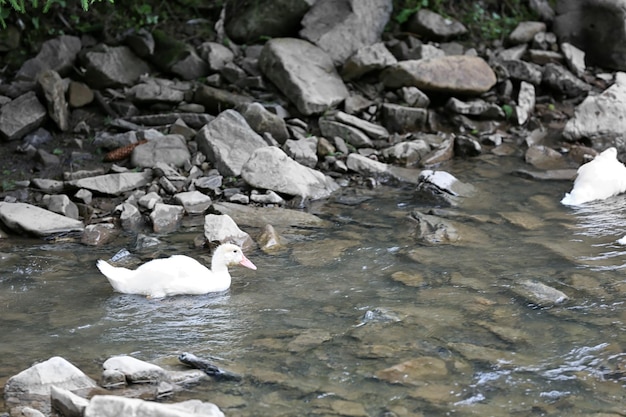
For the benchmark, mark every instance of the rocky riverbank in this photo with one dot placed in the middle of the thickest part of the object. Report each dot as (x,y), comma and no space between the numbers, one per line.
(98,139)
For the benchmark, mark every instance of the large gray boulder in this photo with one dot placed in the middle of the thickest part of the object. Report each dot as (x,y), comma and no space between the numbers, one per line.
(270,168)
(596,27)
(304,73)
(228,142)
(341,27)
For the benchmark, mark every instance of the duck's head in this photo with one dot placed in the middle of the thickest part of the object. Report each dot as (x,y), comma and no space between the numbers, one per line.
(231,254)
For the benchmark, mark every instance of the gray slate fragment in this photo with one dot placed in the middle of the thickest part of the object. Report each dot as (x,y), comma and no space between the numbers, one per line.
(114,184)
(22,217)
(20,116)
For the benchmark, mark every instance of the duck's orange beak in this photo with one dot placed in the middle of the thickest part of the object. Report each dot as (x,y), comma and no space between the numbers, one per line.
(247,263)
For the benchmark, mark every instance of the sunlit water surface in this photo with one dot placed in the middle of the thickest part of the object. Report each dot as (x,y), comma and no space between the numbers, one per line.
(311,338)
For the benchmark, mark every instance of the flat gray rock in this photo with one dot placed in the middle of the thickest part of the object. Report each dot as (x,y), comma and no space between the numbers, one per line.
(278,217)
(114,184)
(22,217)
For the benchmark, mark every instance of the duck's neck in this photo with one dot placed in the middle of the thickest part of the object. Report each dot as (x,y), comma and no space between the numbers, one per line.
(218,267)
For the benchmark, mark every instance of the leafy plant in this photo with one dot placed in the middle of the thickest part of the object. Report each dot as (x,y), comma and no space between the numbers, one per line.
(28,7)
(508,111)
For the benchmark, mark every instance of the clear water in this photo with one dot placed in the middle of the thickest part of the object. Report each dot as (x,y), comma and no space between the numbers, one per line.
(316,328)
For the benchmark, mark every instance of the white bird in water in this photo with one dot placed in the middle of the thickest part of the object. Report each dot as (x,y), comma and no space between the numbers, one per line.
(178,274)
(599,179)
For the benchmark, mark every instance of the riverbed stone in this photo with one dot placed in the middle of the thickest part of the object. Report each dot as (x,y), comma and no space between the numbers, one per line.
(399,118)
(599,118)
(223,229)
(56,54)
(280,218)
(194,202)
(262,120)
(414,371)
(98,234)
(68,403)
(113,67)
(169,149)
(114,184)
(114,406)
(366,166)
(303,151)
(228,141)
(366,60)
(61,203)
(270,168)
(20,116)
(135,370)
(432,26)
(312,88)
(560,79)
(54,89)
(539,293)
(342,27)
(23,217)
(33,386)
(350,134)
(166,218)
(458,74)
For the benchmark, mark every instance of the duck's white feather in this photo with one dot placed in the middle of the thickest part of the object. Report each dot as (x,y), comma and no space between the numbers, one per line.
(178,274)
(601,178)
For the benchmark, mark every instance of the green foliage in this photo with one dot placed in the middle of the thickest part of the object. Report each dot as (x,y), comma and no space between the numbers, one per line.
(29,8)
(486,19)
(508,111)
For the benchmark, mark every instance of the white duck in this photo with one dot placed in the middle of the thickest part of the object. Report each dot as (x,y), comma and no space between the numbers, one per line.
(178,274)
(601,178)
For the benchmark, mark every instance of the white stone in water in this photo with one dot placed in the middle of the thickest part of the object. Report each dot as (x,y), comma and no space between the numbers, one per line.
(446,182)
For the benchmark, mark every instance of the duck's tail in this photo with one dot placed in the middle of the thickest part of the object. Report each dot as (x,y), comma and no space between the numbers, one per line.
(116,275)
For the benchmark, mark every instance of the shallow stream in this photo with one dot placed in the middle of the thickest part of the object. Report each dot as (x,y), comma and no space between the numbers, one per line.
(361,318)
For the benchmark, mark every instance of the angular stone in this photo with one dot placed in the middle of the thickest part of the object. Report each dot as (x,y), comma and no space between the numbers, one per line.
(228,141)
(57,54)
(351,135)
(223,229)
(271,169)
(366,60)
(169,149)
(54,91)
(20,116)
(113,67)
(366,166)
(312,88)
(433,26)
(341,27)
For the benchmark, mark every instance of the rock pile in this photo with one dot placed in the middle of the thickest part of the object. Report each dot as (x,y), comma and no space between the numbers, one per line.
(265,127)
